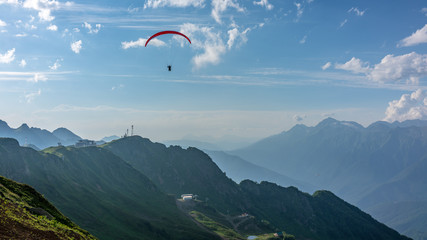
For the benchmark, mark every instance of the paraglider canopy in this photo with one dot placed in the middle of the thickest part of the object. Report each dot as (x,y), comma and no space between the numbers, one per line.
(166,32)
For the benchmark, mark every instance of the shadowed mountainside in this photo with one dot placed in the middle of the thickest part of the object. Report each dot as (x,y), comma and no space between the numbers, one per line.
(321,216)
(377,168)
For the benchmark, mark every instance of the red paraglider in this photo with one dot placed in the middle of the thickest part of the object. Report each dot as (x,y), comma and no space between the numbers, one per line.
(166,32)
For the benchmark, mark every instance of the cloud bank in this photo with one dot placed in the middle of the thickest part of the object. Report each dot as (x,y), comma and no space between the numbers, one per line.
(408,107)
(418,37)
(407,68)
(8,57)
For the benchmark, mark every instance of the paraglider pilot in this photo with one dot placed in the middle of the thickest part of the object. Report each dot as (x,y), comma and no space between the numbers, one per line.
(162,33)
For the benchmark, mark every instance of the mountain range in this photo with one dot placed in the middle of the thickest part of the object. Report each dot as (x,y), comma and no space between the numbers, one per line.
(127,189)
(380,168)
(41,138)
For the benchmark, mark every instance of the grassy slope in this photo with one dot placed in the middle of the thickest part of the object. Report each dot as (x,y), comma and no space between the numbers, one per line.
(26,214)
(99,191)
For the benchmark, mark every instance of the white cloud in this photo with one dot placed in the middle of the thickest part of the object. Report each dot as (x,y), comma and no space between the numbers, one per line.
(76,46)
(32,76)
(299,118)
(357,11)
(76,30)
(90,29)
(211,55)
(21,35)
(132,10)
(31,96)
(300,9)
(418,37)
(3,23)
(156,42)
(65,32)
(31,27)
(173,3)
(141,43)
(424,10)
(326,66)
(264,3)
(117,87)
(220,6)
(409,67)
(52,28)
(234,34)
(13,2)
(354,65)
(205,39)
(8,57)
(210,45)
(343,23)
(56,65)
(38,77)
(44,8)
(409,106)
(303,40)
(23,63)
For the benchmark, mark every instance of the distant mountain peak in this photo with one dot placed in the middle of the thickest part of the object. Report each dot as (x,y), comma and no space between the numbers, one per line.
(329,122)
(380,126)
(3,124)
(24,126)
(61,129)
(298,129)
(110,138)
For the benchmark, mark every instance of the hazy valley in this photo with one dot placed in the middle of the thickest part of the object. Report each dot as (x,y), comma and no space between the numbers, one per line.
(128,188)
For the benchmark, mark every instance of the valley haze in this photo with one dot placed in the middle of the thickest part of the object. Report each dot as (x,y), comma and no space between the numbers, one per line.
(254,68)
(379,168)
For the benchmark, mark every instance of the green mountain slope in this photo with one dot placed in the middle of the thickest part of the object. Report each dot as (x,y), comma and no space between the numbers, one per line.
(319,216)
(176,170)
(26,214)
(179,171)
(99,191)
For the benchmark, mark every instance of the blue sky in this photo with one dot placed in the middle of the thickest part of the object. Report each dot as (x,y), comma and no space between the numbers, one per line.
(254,68)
